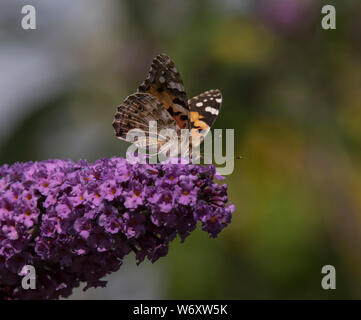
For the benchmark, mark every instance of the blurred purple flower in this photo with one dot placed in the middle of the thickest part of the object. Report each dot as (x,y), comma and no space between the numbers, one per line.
(287,16)
(76,221)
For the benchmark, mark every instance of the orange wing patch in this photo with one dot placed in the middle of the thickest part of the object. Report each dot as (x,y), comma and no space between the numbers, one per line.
(197,122)
(168,100)
(197,127)
(163,96)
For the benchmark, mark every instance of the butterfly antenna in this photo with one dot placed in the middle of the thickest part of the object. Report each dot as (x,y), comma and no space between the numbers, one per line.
(236,157)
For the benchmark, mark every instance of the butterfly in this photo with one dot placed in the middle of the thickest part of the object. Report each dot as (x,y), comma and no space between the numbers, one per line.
(161,97)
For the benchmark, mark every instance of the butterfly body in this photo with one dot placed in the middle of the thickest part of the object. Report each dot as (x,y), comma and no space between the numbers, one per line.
(162,98)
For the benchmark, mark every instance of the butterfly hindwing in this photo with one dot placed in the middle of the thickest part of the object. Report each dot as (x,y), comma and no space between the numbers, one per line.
(165,84)
(136,112)
(204,110)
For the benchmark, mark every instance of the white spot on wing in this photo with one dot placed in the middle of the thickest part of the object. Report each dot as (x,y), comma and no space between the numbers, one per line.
(211,110)
(199,104)
(219,100)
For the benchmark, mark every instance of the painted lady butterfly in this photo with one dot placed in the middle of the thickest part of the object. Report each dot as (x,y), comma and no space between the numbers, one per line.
(162,98)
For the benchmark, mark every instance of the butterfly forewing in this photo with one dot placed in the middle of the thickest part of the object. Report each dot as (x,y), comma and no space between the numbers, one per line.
(164,82)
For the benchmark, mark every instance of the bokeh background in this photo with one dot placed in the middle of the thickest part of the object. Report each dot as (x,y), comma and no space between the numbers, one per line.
(291,92)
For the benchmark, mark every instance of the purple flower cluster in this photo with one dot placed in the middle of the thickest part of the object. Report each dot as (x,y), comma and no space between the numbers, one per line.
(74,222)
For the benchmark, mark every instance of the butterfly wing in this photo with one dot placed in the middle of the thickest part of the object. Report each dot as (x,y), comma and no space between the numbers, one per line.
(204,110)
(136,112)
(164,83)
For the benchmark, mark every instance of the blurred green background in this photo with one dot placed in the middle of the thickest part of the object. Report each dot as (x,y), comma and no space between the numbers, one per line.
(291,91)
